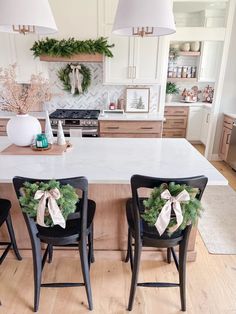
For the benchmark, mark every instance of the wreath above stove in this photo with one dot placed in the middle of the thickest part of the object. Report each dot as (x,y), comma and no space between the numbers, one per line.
(76,78)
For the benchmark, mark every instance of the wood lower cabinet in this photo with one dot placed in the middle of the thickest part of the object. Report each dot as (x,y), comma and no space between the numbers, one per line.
(3,125)
(176,122)
(134,129)
(225,137)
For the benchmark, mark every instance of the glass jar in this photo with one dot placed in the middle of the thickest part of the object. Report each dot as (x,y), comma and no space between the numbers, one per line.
(41,141)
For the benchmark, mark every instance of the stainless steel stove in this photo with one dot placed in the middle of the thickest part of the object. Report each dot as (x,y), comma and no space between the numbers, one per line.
(86,120)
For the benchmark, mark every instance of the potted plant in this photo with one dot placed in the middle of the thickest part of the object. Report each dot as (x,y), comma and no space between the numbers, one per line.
(171,89)
(19,98)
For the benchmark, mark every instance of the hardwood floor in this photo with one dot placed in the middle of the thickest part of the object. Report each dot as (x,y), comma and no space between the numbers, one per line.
(211,283)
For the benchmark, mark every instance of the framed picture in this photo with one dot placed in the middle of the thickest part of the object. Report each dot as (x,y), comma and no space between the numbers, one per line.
(137,99)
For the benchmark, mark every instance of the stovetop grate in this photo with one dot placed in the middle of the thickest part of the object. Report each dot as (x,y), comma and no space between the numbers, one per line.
(75,114)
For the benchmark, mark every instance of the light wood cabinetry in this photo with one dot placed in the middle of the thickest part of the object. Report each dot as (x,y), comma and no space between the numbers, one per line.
(130,128)
(176,121)
(3,125)
(225,137)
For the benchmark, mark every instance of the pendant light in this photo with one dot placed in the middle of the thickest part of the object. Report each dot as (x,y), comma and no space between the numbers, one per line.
(144,18)
(26,16)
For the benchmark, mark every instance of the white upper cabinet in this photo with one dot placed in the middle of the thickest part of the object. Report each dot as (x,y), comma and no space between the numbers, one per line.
(210,61)
(75,18)
(135,59)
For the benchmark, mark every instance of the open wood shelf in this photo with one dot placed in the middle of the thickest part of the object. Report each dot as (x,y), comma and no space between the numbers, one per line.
(75,58)
(189,53)
(181,79)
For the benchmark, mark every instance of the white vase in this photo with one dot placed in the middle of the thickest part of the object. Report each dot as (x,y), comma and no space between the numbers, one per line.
(169,98)
(22,129)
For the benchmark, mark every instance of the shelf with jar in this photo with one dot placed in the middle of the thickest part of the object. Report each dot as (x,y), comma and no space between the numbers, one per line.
(183,61)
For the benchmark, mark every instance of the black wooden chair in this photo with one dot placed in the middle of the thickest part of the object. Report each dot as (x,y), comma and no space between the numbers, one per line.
(146,236)
(5,206)
(79,231)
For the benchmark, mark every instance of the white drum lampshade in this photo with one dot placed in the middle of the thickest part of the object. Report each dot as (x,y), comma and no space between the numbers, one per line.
(144,18)
(26,16)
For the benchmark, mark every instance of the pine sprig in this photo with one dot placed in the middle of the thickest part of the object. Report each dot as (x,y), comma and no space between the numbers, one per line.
(191,210)
(71,46)
(67,202)
(64,76)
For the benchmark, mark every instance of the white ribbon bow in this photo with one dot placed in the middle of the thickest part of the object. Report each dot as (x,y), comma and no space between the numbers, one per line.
(54,210)
(165,214)
(75,77)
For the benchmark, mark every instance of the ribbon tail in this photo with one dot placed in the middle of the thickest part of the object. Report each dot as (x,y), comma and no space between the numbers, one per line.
(163,218)
(73,82)
(179,216)
(78,81)
(41,211)
(55,213)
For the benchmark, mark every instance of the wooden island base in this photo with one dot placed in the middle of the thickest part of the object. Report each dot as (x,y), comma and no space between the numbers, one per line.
(110,225)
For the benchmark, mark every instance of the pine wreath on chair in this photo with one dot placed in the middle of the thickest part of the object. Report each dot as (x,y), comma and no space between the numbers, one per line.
(70,76)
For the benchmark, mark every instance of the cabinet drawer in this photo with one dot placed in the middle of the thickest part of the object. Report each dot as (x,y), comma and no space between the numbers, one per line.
(228,122)
(176,111)
(131,135)
(175,123)
(173,133)
(130,127)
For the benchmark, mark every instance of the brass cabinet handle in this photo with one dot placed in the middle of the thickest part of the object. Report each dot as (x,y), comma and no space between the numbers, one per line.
(113,127)
(146,128)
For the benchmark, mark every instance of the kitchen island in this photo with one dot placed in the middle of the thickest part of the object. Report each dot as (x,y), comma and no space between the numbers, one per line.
(108,164)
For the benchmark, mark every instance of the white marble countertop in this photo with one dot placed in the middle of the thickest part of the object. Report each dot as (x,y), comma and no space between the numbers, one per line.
(9,115)
(131,117)
(113,161)
(188,104)
(231,115)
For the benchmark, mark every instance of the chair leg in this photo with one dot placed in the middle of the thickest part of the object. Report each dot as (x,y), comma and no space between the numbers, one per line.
(183,247)
(12,237)
(50,253)
(37,265)
(135,271)
(168,255)
(85,271)
(90,244)
(128,246)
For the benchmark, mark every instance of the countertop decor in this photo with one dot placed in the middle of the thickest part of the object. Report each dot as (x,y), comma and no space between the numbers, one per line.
(19,98)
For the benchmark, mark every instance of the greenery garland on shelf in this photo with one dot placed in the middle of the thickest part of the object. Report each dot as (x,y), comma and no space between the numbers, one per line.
(67,201)
(191,210)
(64,76)
(71,46)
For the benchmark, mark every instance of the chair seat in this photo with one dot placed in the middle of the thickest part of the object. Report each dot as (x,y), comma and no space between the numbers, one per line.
(149,232)
(72,226)
(5,206)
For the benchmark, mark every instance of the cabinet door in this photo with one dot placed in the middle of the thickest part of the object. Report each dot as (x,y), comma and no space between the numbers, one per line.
(205,125)
(119,70)
(211,53)
(224,144)
(145,60)
(194,121)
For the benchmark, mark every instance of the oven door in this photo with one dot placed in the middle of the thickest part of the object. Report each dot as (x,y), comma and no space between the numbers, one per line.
(78,132)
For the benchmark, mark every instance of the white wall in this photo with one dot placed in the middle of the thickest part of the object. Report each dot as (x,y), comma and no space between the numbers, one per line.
(228,99)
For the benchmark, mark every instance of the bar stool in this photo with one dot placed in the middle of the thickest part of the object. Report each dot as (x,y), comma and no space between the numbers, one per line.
(5,206)
(144,235)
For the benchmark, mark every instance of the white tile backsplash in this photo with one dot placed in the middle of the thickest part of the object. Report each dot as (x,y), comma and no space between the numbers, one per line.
(96,96)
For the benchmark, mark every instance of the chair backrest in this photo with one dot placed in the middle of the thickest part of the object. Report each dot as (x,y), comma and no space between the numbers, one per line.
(139,182)
(79,183)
